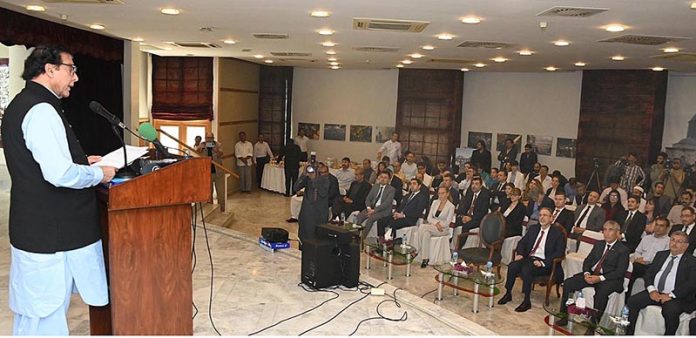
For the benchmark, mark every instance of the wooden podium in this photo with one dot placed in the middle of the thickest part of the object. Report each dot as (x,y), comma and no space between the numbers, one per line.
(146,231)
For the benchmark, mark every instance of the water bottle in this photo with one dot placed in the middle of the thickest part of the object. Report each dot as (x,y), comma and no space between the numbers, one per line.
(403,241)
(455,256)
(489,268)
(580,301)
(343,218)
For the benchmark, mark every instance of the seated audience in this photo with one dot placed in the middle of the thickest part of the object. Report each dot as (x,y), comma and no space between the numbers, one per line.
(661,201)
(466,182)
(368,172)
(354,200)
(409,168)
(614,186)
(537,200)
(536,168)
(613,207)
(632,224)
(515,176)
(378,202)
(449,183)
(688,217)
(561,215)
(570,189)
(426,179)
(408,213)
(440,216)
(398,173)
(398,185)
(534,256)
(345,175)
(640,192)
(514,214)
(491,179)
(674,214)
(581,195)
(381,166)
(589,216)
(544,177)
(555,187)
(648,247)
(473,207)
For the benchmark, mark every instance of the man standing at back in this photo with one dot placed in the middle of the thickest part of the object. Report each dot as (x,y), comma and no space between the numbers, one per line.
(53,220)
(291,156)
(391,148)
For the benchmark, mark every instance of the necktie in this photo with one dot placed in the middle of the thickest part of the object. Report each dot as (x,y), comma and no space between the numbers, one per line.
(598,268)
(501,186)
(555,214)
(473,204)
(663,278)
(411,197)
(628,220)
(583,215)
(538,242)
(687,229)
(379,194)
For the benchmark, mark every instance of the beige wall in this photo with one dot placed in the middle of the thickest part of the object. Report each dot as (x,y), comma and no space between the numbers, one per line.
(237,107)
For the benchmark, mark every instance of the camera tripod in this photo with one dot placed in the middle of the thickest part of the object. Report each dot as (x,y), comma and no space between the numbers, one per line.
(594,176)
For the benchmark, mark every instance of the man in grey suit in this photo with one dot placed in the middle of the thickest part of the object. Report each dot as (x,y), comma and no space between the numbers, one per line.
(378,202)
(588,216)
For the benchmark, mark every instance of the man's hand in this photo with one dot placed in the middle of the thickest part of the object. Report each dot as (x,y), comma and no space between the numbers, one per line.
(578,230)
(93,159)
(109,173)
(640,260)
(518,257)
(538,264)
(466,219)
(439,226)
(664,298)
(591,279)
(347,200)
(655,296)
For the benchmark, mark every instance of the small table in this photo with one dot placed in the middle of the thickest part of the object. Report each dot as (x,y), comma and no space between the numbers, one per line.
(477,278)
(579,321)
(273,178)
(395,255)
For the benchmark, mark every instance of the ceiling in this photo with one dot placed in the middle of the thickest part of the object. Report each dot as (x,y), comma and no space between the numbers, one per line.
(509,21)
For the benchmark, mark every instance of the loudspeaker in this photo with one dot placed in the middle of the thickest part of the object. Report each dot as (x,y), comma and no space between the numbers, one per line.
(274,235)
(350,264)
(329,231)
(320,268)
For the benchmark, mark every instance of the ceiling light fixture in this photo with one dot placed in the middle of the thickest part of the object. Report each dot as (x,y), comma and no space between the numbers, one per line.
(399,66)
(445,36)
(325,31)
(268,61)
(428,47)
(416,55)
(332,59)
(671,50)
(615,28)
(320,14)
(499,59)
(330,52)
(335,67)
(170,11)
(229,42)
(618,58)
(464,69)
(97,26)
(551,69)
(333,63)
(407,62)
(35,8)
(580,64)
(471,20)
(138,39)
(258,56)
(693,5)
(479,65)
(526,52)
(561,43)
(657,69)
(328,44)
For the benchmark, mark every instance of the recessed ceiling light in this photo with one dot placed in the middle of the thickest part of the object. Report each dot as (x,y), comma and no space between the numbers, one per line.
(580,64)
(416,55)
(332,59)
(499,59)
(268,61)
(35,8)
(258,56)
(325,32)
(407,62)
(97,26)
(561,43)
(331,52)
(464,69)
(671,50)
(618,58)
(445,36)
(138,39)
(526,52)
(551,69)
(170,11)
(479,65)
(335,67)
(615,28)
(693,5)
(320,14)
(428,47)
(229,42)
(399,66)
(333,63)
(657,69)
(328,44)
(471,20)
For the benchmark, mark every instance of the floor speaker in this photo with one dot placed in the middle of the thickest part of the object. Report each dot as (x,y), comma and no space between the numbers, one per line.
(326,263)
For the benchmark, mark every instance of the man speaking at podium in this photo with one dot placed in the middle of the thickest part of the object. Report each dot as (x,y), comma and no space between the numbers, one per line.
(54,225)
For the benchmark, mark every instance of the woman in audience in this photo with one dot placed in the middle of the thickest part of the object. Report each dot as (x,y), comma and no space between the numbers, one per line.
(532,185)
(514,214)
(439,218)
(650,214)
(504,202)
(381,166)
(613,206)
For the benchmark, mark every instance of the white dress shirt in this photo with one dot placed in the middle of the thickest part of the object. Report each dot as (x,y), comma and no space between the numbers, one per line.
(671,277)
(262,149)
(650,245)
(583,224)
(391,149)
(409,170)
(545,183)
(427,180)
(243,149)
(541,249)
(607,246)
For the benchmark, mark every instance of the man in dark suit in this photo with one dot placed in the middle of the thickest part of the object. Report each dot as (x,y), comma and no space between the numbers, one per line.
(334,191)
(671,284)
(378,201)
(398,185)
(581,195)
(555,187)
(449,183)
(354,200)
(534,256)
(662,202)
(497,191)
(604,269)
(407,213)
(632,224)
(527,159)
(290,154)
(561,215)
(688,217)
(537,200)
(588,217)
(472,208)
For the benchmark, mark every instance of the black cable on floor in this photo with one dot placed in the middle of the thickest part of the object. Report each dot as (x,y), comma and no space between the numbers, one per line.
(429,292)
(403,317)
(212,272)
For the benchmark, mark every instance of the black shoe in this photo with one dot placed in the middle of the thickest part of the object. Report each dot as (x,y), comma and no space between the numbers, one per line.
(507,298)
(424,264)
(526,305)
(562,322)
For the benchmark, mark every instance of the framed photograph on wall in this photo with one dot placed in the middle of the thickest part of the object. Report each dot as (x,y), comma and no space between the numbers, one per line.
(312,130)
(334,132)
(541,144)
(516,139)
(361,133)
(474,136)
(382,134)
(565,147)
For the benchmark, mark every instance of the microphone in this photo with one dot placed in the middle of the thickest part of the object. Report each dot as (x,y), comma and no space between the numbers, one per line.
(148,133)
(101,111)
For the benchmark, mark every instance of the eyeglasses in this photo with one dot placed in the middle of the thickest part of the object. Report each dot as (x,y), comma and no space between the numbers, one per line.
(73,68)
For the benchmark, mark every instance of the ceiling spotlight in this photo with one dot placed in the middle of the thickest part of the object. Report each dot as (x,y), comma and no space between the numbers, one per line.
(618,58)
(471,20)
(580,64)
(258,56)
(499,59)
(268,61)
(551,69)
(464,69)
(416,55)
(526,52)
(671,50)
(35,8)
(657,69)
(333,63)
(399,66)
(693,5)
(407,62)
(561,43)
(325,32)
(332,59)
(138,39)
(170,11)
(445,36)
(330,52)
(97,26)
(428,47)
(335,67)
(479,65)
(328,44)
(320,14)
(615,28)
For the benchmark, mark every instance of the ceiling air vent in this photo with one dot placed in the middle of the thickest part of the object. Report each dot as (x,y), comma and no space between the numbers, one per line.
(389,25)
(680,57)
(195,44)
(485,44)
(373,49)
(270,36)
(291,54)
(644,40)
(572,12)
(297,60)
(457,61)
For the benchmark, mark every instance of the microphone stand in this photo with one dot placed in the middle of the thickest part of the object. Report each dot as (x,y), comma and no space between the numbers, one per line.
(124,172)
